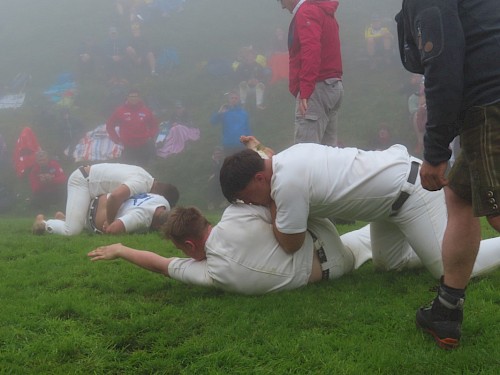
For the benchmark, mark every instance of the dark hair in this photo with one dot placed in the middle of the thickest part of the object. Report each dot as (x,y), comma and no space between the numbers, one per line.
(168,191)
(159,220)
(237,171)
(184,223)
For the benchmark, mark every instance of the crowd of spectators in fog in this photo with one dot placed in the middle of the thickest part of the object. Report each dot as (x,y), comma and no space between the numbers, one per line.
(125,57)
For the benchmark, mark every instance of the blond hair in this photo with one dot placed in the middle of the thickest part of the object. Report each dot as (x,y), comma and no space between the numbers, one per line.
(185,223)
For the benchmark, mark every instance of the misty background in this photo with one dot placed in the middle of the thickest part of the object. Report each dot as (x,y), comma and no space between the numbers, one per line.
(41,38)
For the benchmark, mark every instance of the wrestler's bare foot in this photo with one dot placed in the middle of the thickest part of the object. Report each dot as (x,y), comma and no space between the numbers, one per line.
(39,225)
(59,215)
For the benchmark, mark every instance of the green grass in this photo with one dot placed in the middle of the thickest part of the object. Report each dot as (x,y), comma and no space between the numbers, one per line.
(62,314)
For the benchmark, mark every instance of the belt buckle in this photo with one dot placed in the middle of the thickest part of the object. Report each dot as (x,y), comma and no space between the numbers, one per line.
(320,250)
(92,212)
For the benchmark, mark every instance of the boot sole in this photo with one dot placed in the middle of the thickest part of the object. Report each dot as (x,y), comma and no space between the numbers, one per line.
(446,343)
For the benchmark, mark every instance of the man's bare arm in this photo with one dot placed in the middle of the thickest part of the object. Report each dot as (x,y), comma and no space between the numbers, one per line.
(145,259)
(289,242)
(116,227)
(115,200)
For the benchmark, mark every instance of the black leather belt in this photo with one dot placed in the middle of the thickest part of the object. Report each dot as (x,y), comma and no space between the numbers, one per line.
(84,172)
(403,196)
(318,247)
(94,203)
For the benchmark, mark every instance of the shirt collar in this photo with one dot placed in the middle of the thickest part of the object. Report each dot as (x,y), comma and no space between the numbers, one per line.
(297,7)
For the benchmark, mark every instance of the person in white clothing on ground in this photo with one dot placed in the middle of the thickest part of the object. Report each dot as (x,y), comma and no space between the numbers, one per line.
(122,181)
(240,254)
(140,213)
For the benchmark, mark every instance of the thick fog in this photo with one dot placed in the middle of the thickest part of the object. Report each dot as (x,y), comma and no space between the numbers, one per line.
(43,35)
(42,39)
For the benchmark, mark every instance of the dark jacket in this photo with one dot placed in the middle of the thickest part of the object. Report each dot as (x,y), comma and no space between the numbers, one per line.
(456,45)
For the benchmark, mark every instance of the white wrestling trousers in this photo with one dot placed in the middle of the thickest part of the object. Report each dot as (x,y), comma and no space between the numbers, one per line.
(77,206)
(488,258)
(340,260)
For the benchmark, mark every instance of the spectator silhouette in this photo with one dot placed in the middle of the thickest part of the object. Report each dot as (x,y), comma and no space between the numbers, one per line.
(47,181)
(251,74)
(234,120)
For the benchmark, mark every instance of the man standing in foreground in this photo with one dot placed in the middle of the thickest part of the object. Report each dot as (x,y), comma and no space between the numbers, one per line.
(456,45)
(315,69)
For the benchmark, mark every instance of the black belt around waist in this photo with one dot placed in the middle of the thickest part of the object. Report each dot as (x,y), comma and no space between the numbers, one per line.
(403,196)
(318,247)
(94,203)
(84,172)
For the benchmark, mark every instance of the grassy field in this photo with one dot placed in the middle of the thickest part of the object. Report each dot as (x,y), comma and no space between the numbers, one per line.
(62,314)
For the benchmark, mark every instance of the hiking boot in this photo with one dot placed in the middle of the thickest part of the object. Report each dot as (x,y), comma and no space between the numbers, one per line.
(442,319)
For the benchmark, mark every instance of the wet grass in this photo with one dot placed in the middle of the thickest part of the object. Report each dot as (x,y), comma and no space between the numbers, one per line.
(62,314)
